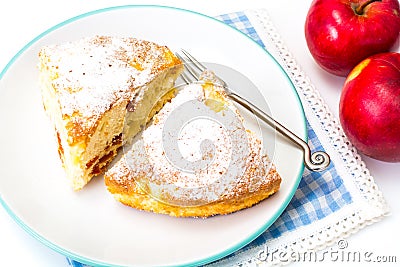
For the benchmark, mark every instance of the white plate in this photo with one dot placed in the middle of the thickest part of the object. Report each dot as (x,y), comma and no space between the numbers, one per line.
(90,226)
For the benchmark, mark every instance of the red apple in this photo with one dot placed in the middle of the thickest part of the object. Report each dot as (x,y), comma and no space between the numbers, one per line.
(341,33)
(369,107)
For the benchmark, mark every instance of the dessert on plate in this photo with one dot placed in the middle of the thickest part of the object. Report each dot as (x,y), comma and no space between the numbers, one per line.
(86,87)
(194,159)
(186,150)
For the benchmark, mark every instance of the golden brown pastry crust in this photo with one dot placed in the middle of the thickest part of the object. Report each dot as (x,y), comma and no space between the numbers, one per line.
(126,190)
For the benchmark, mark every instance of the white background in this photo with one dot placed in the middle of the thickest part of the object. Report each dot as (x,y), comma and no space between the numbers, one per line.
(21,21)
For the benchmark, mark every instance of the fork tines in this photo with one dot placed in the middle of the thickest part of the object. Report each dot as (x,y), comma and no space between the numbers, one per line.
(192,66)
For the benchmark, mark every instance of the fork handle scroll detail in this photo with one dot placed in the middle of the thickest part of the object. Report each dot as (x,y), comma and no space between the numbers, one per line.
(317,161)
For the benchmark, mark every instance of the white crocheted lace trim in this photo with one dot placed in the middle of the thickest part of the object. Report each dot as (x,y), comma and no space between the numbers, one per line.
(347,222)
(328,122)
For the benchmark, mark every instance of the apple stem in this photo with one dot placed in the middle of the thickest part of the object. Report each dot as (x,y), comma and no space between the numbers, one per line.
(360,8)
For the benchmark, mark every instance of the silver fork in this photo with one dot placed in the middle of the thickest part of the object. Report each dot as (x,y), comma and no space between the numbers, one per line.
(317,161)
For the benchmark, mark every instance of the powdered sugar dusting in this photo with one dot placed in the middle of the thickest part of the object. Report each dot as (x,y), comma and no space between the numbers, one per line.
(192,155)
(96,72)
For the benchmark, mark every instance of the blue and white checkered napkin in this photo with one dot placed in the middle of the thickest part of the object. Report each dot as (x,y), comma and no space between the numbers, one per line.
(327,206)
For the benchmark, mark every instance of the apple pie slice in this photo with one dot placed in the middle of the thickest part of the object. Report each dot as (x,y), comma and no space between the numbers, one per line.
(195,159)
(86,86)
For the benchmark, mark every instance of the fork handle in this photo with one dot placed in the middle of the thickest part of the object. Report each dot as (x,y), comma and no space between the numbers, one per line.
(317,161)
